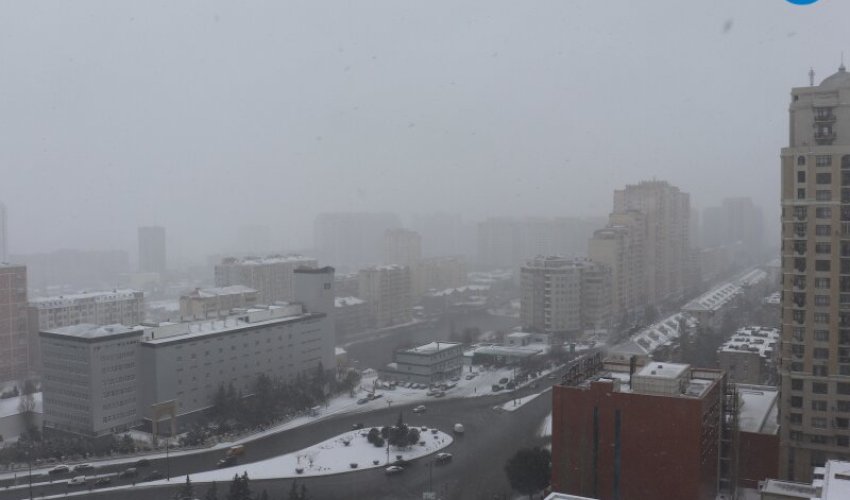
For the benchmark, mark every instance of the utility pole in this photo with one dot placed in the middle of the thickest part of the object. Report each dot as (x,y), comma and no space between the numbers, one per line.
(29,466)
(167,462)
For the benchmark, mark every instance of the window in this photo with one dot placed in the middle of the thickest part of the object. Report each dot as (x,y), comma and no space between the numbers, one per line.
(821,300)
(823,212)
(842,388)
(823,195)
(822,335)
(796,401)
(801,176)
(823,248)
(822,265)
(821,353)
(820,371)
(818,439)
(801,194)
(796,418)
(819,422)
(823,230)
(818,405)
(823,178)
(821,317)
(797,384)
(801,160)
(819,388)
(823,160)
(822,283)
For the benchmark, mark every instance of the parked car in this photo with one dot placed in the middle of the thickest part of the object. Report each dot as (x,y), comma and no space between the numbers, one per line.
(362,401)
(59,469)
(458,428)
(419,409)
(129,472)
(470,376)
(443,458)
(236,451)
(142,462)
(357,426)
(496,387)
(503,380)
(440,394)
(226,461)
(455,379)
(394,469)
(77,481)
(83,467)
(103,481)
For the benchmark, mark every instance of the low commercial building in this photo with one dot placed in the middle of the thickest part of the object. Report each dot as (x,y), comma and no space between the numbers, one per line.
(203,303)
(830,482)
(751,355)
(426,364)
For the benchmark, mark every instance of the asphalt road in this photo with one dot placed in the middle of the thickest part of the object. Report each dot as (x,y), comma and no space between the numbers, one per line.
(476,472)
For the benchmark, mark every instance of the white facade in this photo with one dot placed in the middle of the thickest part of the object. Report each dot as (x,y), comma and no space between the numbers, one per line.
(123,306)
(270,276)
(428,363)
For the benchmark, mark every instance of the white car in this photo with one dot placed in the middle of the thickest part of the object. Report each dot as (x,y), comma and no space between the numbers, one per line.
(419,409)
(459,429)
(394,469)
(77,480)
(82,467)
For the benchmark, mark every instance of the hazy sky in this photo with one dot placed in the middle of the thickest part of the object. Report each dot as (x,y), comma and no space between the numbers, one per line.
(203,115)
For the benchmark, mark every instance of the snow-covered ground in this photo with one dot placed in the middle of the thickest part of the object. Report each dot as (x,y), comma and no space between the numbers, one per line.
(332,456)
(10,406)
(516,404)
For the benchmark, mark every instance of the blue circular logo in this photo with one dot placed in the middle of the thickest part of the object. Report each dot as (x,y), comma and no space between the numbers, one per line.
(802,2)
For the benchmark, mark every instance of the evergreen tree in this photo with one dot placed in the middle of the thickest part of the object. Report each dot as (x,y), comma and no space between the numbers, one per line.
(239,489)
(212,492)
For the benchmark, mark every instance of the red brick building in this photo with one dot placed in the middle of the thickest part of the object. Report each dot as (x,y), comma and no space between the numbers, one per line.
(655,434)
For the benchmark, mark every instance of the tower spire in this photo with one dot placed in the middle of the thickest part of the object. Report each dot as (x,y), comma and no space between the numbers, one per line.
(811,77)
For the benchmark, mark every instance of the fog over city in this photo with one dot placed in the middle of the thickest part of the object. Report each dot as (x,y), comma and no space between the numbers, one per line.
(204,116)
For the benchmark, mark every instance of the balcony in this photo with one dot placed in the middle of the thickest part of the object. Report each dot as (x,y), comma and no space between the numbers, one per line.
(824,138)
(825,118)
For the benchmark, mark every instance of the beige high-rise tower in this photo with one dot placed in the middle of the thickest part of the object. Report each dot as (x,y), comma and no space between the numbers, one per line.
(815,356)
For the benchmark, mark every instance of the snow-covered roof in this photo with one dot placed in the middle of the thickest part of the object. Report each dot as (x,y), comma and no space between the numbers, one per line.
(501,350)
(664,370)
(654,336)
(836,480)
(221,290)
(273,259)
(431,347)
(774,298)
(99,296)
(460,289)
(758,409)
(714,299)
(90,331)
(757,339)
(347,301)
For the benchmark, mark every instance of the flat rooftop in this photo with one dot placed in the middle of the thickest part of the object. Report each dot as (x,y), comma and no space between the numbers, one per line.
(755,339)
(836,481)
(272,259)
(431,348)
(789,489)
(758,410)
(503,350)
(220,290)
(97,296)
(664,370)
(89,331)
(347,301)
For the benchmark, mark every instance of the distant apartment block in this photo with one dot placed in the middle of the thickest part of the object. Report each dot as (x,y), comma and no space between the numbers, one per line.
(387,292)
(202,303)
(120,306)
(426,364)
(620,246)
(90,378)
(402,247)
(271,277)
(666,248)
(15,341)
(152,256)
(438,273)
(751,355)
(351,316)
(4,235)
(564,295)
(351,240)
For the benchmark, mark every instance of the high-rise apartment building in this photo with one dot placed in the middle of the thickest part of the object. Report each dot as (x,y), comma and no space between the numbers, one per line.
(736,220)
(564,295)
(667,240)
(815,355)
(4,234)
(402,247)
(386,290)
(15,344)
(351,240)
(270,276)
(620,247)
(152,256)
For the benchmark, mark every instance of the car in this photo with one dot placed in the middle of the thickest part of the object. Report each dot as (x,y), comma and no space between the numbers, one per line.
(129,472)
(103,481)
(458,428)
(59,469)
(455,379)
(77,481)
(470,376)
(443,458)
(496,387)
(503,380)
(226,461)
(83,467)
(362,401)
(154,476)
(377,396)
(440,394)
(551,377)
(419,409)
(236,451)
(394,469)
(142,462)
(402,463)
(357,426)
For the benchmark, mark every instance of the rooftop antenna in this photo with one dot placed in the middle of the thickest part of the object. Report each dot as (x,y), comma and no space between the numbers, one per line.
(811,77)
(842,68)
